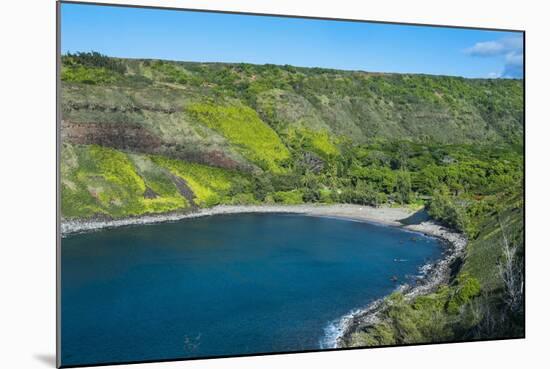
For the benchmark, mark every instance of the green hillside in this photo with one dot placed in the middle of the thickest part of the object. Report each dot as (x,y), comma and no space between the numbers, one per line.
(170,100)
(325,134)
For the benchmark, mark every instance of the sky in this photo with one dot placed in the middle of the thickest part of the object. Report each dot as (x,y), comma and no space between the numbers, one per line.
(214,37)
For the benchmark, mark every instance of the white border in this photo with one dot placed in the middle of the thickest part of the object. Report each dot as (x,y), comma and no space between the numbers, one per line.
(27,181)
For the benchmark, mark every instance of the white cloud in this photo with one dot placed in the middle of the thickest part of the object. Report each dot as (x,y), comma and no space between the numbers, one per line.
(513,43)
(488,48)
(513,68)
(510,49)
(514,58)
(496,47)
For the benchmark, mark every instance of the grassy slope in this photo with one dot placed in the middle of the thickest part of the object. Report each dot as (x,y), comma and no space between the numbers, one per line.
(210,185)
(98,180)
(484,252)
(104,181)
(357,105)
(244,129)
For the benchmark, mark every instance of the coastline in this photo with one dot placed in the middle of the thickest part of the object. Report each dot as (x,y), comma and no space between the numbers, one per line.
(338,332)
(382,215)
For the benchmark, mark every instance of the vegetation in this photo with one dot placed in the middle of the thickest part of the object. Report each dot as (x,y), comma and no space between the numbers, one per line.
(431,318)
(209,185)
(150,136)
(484,301)
(102,181)
(91,68)
(243,128)
(319,142)
(168,72)
(292,197)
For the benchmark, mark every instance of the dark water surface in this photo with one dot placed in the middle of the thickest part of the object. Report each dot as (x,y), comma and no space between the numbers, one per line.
(224,285)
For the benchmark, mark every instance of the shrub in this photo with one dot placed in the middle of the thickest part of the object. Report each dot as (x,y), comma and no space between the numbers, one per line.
(288,197)
(242,199)
(445,210)
(94,60)
(91,68)
(87,75)
(466,288)
(169,72)
(403,187)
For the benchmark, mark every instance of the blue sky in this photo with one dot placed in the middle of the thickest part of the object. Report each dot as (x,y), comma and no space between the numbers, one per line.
(214,37)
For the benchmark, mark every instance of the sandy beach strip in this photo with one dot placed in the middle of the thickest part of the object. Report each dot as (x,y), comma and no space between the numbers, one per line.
(382,215)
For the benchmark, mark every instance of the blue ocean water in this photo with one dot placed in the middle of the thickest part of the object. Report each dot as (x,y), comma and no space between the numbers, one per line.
(225,284)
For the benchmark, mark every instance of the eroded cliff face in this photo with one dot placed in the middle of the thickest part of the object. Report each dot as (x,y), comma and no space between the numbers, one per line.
(361,106)
(122,136)
(139,139)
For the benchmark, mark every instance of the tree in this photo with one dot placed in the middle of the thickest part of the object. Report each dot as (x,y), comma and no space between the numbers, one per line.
(365,194)
(443,208)
(511,272)
(95,59)
(402,156)
(310,184)
(403,186)
(262,186)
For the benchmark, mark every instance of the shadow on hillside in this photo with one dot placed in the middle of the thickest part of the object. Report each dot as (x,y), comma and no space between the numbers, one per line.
(416,218)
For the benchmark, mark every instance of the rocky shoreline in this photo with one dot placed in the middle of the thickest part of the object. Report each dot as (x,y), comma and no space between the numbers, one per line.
(338,333)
